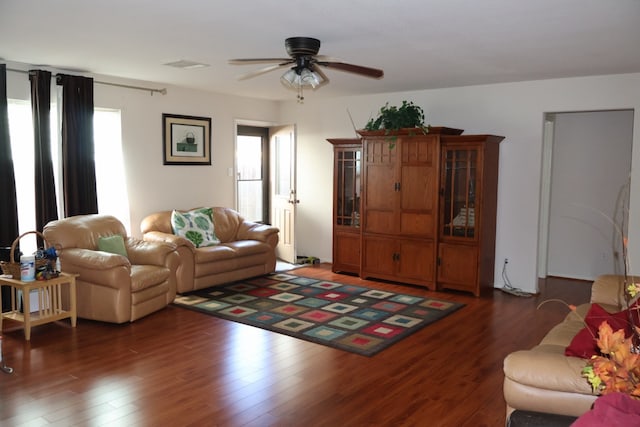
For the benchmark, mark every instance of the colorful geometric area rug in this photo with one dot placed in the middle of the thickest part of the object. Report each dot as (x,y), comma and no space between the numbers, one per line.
(358,319)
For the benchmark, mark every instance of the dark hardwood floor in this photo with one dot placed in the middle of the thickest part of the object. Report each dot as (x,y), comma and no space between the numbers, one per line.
(178,367)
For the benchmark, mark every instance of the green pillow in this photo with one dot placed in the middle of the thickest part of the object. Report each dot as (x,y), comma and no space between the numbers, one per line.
(195,225)
(112,244)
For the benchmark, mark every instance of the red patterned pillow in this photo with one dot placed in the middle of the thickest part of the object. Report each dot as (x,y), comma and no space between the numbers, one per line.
(584,343)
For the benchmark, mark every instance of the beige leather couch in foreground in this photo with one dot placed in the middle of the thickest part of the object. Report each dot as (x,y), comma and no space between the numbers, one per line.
(246,249)
(111,287)
(543,379)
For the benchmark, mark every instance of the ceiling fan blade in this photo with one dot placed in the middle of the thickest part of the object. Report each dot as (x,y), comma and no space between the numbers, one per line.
(374,73)
(262,71)
(245,61)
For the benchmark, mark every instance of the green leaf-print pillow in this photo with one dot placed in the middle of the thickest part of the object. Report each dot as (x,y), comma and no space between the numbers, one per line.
(195,225)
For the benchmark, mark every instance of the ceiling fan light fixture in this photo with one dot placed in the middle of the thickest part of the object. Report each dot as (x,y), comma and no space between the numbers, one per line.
(310,78)
(290,79)
(294,78)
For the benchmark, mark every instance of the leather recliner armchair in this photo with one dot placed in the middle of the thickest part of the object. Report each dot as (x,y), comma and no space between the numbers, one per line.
(111,287)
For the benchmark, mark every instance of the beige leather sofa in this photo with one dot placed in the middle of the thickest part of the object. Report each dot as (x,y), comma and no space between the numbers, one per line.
(246,249)
(543,379)
(111,287)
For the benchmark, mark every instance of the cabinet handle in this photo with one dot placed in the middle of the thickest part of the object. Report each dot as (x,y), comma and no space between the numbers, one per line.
(396,186)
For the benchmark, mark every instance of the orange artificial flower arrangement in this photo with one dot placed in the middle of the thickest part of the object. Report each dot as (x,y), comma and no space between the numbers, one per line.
(617,370)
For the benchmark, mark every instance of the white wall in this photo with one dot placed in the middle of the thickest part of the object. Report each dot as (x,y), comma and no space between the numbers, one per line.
(153,186)
(513,110)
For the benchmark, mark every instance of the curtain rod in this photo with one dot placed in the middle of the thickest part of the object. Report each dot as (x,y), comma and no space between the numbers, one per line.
(162,91)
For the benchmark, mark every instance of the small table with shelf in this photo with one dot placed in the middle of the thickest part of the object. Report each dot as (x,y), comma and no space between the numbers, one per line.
(50,301)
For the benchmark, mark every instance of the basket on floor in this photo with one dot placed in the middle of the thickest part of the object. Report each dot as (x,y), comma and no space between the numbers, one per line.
(12,267)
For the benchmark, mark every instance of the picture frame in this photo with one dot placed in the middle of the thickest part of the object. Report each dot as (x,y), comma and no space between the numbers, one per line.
(186,140)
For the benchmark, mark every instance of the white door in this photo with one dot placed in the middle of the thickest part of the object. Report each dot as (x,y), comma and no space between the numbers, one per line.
(283,189)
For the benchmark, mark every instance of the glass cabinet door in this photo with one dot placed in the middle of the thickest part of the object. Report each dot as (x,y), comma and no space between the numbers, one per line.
(347,195)
(459,192)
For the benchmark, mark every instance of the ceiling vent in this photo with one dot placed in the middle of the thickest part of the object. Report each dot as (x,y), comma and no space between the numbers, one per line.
(186,64)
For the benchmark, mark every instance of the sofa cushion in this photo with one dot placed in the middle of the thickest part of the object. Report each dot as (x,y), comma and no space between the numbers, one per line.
(249,247)
(83,231)
(112,244)
(195,225)
(214,254)
(227,223)
(147,276)
(584,343)
(231,250)
(562,333)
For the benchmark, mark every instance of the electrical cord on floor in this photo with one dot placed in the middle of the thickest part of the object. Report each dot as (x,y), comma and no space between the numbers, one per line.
(508,288)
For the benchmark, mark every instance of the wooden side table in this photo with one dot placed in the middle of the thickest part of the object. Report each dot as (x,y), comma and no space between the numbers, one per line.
(50,307)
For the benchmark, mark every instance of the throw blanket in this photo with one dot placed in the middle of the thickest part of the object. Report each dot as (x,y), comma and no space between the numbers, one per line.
(612,410)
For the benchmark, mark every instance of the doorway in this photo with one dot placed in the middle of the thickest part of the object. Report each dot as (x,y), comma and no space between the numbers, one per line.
(266,180)
(585,192)
(252,173)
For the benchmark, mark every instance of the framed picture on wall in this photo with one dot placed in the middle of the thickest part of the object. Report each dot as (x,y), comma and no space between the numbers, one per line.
(186,140)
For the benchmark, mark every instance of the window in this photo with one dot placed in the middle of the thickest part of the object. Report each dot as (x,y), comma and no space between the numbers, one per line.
(21,134)
(110,176)
(111,180)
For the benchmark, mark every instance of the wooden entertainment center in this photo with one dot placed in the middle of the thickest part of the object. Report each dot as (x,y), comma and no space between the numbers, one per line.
(417,208)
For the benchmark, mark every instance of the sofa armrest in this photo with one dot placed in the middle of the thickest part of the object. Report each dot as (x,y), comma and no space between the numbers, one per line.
(148,252)
(161,237)
(256,231)
(547,370)
(608,290)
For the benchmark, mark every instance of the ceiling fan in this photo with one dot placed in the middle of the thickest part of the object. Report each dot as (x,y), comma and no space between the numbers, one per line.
(304,65)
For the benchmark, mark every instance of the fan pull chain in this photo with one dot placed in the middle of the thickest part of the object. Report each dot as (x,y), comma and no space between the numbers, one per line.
(300,95)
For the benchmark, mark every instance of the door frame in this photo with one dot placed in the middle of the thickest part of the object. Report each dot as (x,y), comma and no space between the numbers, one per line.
(546,184)
(232,172)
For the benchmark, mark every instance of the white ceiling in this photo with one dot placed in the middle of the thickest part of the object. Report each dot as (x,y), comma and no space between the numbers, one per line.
(420,44)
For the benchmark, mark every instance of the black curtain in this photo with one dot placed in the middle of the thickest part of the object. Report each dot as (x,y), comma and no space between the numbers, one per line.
(46,209)
(78,160)
(8,202)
